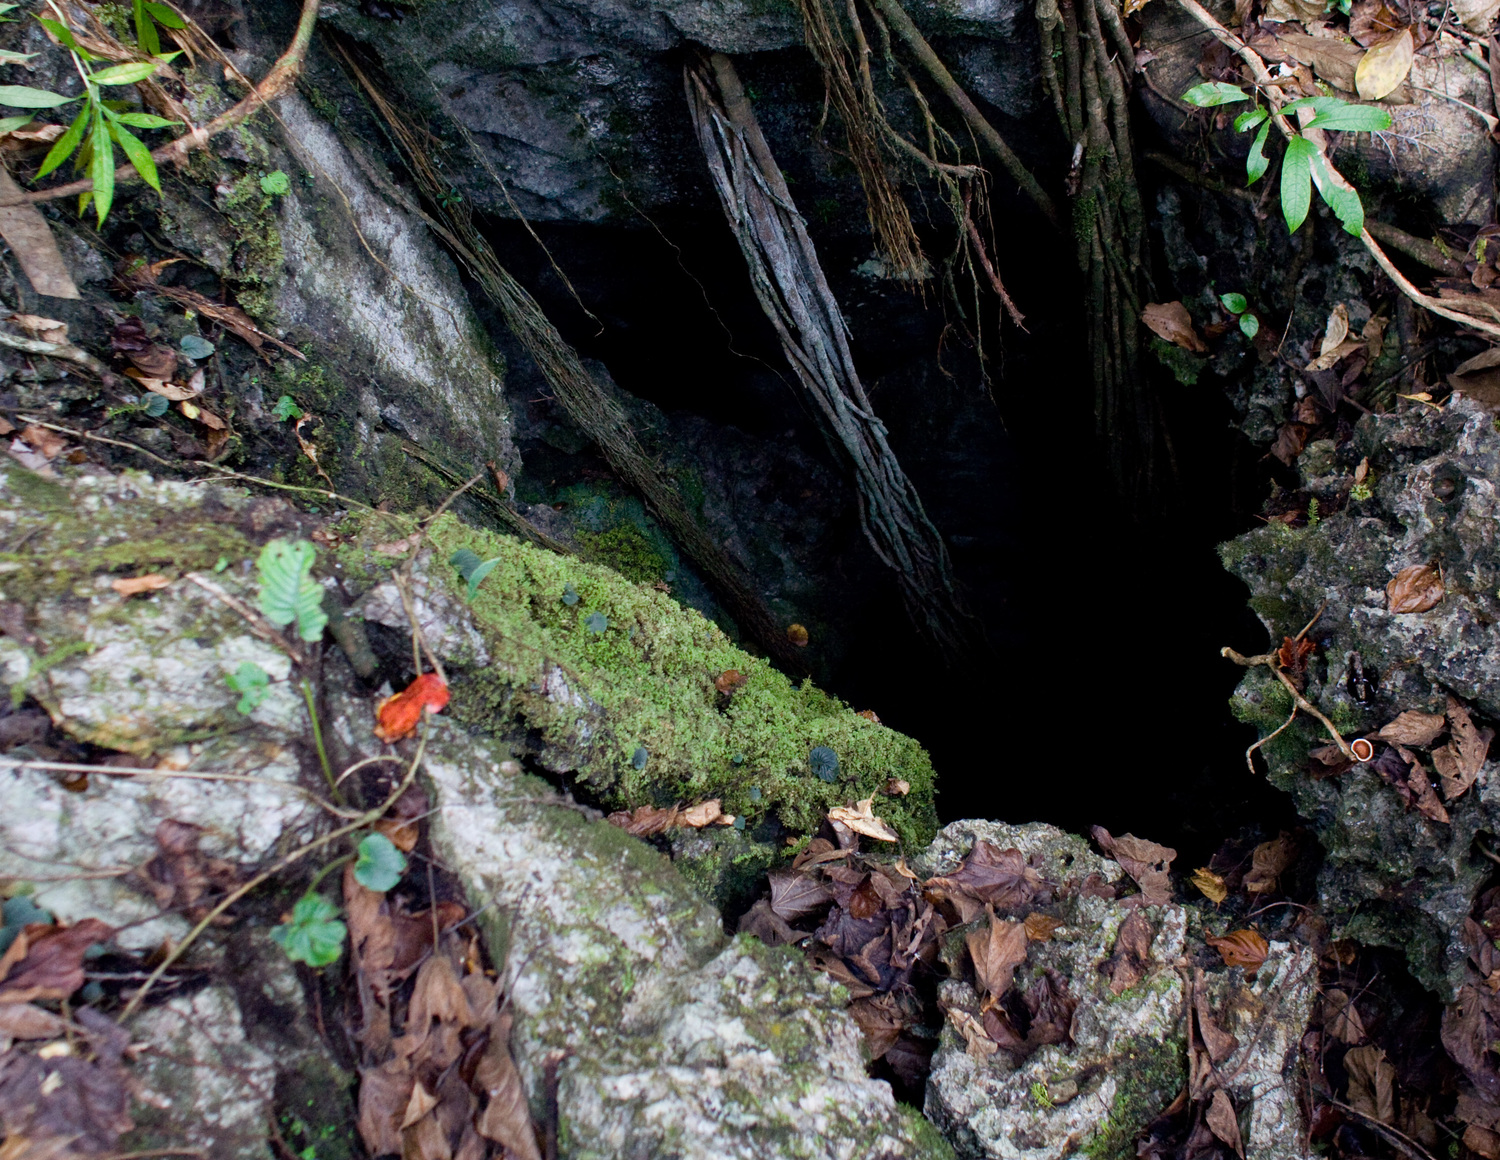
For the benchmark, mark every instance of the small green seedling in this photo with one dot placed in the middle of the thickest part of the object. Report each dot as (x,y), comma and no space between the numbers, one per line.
(1237,304)
(472,568)
(288,593)
(276,184)
(286,409)
(313,934)
(251,682)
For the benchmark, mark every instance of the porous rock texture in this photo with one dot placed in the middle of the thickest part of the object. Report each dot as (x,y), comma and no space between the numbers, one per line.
(680,1041)
(1392,875)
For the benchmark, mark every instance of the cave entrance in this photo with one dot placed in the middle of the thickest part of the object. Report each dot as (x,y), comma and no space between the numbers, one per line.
(1104,698)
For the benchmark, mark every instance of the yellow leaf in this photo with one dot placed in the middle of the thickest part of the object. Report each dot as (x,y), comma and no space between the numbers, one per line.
(1385,66)
(1210,885)
(862,820)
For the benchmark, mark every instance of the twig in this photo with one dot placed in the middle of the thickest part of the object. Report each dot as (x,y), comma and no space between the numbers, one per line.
(258,623)
(1271,662)
(62,350)
(1249,764)
(275,83)
(97,439)
(291,859)
(1273,99)
(1306,627)
(1402,1141)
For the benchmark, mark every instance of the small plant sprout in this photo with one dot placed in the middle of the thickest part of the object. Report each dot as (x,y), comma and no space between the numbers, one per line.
(250,682)
(472,568)
(380,865)
(286,409)
(288,593)
(1237,305)
(276,184)
(312,933)
(1304,164)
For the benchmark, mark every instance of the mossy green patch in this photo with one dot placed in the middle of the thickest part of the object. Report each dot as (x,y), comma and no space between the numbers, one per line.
(626,549)
(625,668)
(258,264)
(1147,1075)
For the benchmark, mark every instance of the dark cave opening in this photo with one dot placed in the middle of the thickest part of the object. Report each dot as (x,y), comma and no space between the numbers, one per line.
(1104,697)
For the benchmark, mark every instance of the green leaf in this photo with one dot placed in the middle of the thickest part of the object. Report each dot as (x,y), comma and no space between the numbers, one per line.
(125,74)
(288,593)
(1256,162)
(1296,181)
(465,560)
(380,864)
(135,149)
(144,121)
(1249,325)
(8,57)
(22,97)
(102,166)
(1249,119)
(569,597)
(1352,119)
(1234,303)
(165,16)
(596,622)
(1341,198)
(155,406)
(63,147)
(285,409)
(145,31)
(1317,104)
(250,681)
(1212,93)
(313,935)
(63,33)
(195,346)
(9,123)
(276,183)
(476,577)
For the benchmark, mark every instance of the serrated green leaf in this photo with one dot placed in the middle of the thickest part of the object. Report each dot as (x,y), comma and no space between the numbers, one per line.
(1233,302)
(288,593)
(132,72)
(276,183)
(380,864)
(135,150)
(285,409)
(1211,93)
(250,681)
(102,166)
(1249,325)
(63,147)
(1256,162)
(465,560)
(24,97)
(1249,119)
(165,16)
(476,577)
(313,935)
(1296,181)
(1340,196)
(1352,119)
(144,121)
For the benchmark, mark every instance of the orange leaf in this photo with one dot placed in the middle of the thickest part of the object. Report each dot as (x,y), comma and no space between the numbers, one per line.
(730,680)
(1241,948)
(398,715)
(135,585)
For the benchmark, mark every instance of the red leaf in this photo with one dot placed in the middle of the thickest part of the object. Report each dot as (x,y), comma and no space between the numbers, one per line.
(398,715)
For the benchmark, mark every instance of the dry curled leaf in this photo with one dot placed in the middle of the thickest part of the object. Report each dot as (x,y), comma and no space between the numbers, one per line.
(981,1046)
(730,680)
(794,894)
(1210,885)
(1382,70)
(897,787)
(506,1118)
(1041,927)
(46,329)
(135,585)
(997,951)
(1223,1122)
(1341,1017)
(1413,727)
(1127,964)
(869,715)
(644,821)
(53,964)
(47,444)
(1268,863)
(1458,763)
(1414,589)
(1146,862)
(1241,948)
(24,1021)
(1171,321)
(988,875)
(1372,1083)
(398,715)
(862,820)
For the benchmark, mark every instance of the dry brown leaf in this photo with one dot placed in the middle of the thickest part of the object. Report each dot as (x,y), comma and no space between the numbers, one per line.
(403,834)
(862,820)
(135,585)
(1482,1142)
(897,787)
(869,715)
(1414,589)
(997,951)
(421,1102)
(645,821)
(48,444)
(709,813)
(988,875)
(1335,61)
(1131,955)
(53,966)
(794,894)
(981,1046)
(1144,861)
(1210,885)
(1458,763)
(1372,1083)
(1341,1017)
(46,329)
(730,680)
(880,1020)
(384,1092)
(23,1021)
(1223,1123)
(1335,330)
(29,237)
(1337,355)
(506,1118)
(1384,68)
(1219,1043)
(1171,321)
(1241,948)
(173,392)
(1412,727)
(1268,863)
(1041,927)
(202,415)
(1374,338)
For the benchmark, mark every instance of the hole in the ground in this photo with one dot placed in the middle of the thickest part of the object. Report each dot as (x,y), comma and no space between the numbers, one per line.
(1105,700)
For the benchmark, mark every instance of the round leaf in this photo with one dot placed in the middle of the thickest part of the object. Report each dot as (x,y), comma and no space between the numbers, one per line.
(380,864)
(1249,325)
(196,347)
(824,763)
(156,406)
(596,622)
(1384,67)
(1234,303)
(569,597)
(313,935)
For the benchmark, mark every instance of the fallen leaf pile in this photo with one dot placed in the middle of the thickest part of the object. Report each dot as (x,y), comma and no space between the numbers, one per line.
(1144,861)
(443,1086)
(1471,1027)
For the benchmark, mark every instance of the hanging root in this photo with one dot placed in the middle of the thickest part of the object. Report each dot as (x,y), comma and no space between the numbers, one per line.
(788,280)
(594,411)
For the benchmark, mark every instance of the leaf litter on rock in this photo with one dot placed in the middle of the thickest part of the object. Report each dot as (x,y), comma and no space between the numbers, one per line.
(1146,862)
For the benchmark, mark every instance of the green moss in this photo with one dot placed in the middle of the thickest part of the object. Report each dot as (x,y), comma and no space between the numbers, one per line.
(626,549)
(258,264)
(646,682)
(726,865)
(1147,1076)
